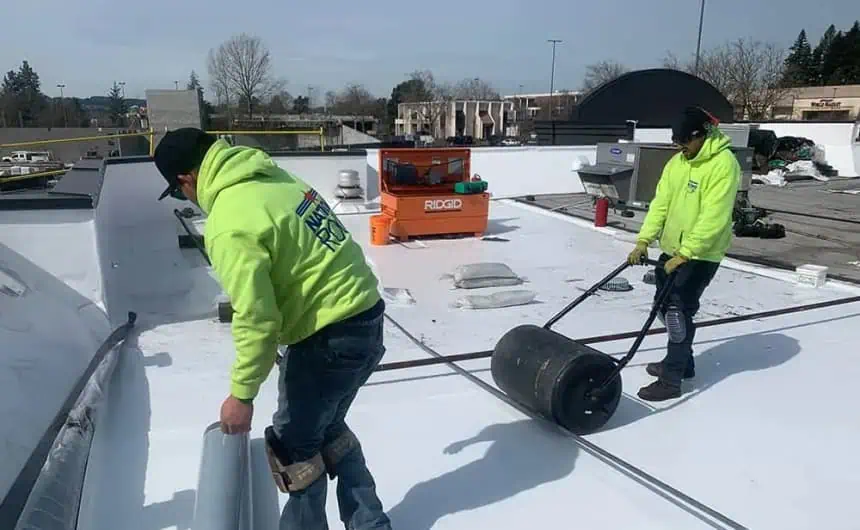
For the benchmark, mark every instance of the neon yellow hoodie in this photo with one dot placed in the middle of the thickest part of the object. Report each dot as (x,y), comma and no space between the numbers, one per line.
(286,262)
(692,209)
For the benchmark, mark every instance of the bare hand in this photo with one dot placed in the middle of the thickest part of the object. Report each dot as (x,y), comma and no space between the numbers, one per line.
(236,416)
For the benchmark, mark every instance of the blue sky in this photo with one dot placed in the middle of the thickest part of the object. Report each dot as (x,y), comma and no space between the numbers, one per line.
(87,44)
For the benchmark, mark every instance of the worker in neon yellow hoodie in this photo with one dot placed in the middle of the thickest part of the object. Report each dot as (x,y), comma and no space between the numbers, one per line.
(691,215)
(295,277)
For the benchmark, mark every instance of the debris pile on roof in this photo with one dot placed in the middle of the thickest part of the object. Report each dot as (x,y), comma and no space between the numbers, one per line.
(778,161)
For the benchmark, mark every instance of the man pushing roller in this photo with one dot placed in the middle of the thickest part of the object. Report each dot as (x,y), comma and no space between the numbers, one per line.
(294,276)
(691,215)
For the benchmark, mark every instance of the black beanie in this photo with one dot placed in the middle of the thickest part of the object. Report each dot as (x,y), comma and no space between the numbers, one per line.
(178,153)
(693,123)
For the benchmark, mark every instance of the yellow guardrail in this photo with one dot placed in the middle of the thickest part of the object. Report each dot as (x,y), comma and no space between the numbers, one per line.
(150,133)
(320,132)
(28,143)
(4,180)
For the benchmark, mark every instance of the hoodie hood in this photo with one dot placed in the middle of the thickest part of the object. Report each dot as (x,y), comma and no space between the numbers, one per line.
(715,143)
(224,166)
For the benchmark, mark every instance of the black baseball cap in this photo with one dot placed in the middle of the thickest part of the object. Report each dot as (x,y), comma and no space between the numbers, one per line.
(693,123)
(179,152)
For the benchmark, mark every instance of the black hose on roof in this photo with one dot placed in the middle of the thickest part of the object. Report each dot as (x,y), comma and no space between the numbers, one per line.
(814,216)
(484,354)
(41,491)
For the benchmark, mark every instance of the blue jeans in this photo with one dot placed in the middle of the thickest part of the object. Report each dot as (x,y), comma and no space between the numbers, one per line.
(690,283)
(318,381)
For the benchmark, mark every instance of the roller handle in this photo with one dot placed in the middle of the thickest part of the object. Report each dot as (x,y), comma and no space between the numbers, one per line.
(618,270)
(658,303)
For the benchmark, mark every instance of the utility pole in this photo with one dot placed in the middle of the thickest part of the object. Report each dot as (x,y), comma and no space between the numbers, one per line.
(61,86)
(552,75)
(176,85)
(699,43)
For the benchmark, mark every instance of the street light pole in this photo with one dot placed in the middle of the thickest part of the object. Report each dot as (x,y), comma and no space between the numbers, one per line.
(552,75)
(699,43)
(61,86)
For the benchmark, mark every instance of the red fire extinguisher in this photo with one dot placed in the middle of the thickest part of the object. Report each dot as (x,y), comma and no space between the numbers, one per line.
(601,211)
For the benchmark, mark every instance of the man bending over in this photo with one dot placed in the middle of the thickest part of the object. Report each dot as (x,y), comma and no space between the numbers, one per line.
(294,276)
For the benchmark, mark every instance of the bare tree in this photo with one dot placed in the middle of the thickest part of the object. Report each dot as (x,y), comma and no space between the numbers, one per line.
(757,77)
(714,67)
(279,103)
(430,96)
(597,74)
(352,99)
(241,66)
(748,73)
(331,101)
(475,89)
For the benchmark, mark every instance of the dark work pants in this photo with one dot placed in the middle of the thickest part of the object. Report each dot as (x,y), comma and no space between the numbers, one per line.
(678,311)
(318,381)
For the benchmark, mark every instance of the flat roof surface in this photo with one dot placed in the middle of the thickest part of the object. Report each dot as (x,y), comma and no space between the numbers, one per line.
(809,239)
(760,436)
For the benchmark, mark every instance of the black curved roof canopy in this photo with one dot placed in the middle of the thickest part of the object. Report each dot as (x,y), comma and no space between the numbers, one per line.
(654,98)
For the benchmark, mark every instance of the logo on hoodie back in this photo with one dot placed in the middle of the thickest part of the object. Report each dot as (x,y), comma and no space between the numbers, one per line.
(320,220)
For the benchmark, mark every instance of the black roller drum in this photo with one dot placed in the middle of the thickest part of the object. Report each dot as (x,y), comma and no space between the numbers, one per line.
(551,374)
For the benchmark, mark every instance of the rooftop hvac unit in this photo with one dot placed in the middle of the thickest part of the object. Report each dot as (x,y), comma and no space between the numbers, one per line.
(627,173)
(739,133)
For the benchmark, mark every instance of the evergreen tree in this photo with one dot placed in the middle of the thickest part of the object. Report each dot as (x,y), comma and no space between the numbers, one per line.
(117,106)
(205,108)
(193,82)
(21,97)
(820,56)
(799,67)
(842,63)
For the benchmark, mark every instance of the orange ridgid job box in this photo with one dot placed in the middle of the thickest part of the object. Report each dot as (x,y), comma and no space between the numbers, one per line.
(417,193)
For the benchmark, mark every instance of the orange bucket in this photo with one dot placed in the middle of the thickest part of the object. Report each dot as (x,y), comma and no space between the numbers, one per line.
(380,226)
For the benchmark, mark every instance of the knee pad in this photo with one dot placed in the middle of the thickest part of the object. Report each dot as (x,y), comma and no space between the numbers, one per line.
(676,324)
(337,449)
(295,476)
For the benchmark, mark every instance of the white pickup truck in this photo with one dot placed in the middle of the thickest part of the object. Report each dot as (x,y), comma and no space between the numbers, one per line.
(28,156)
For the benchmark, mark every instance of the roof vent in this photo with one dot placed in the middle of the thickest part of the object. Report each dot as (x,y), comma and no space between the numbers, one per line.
(617,284)
(348,185)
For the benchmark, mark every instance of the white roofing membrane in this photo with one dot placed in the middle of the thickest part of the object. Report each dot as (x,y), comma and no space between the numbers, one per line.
(759,437)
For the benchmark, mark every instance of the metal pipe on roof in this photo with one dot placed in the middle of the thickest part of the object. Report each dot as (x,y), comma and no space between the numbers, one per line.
(224,482)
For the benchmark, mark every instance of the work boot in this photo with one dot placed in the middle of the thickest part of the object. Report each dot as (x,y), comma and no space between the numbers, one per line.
(656,369)
(659,390)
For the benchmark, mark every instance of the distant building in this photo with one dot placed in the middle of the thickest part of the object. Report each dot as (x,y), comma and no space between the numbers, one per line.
(537,106)
(337,129)
(820,103)
(443,119)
